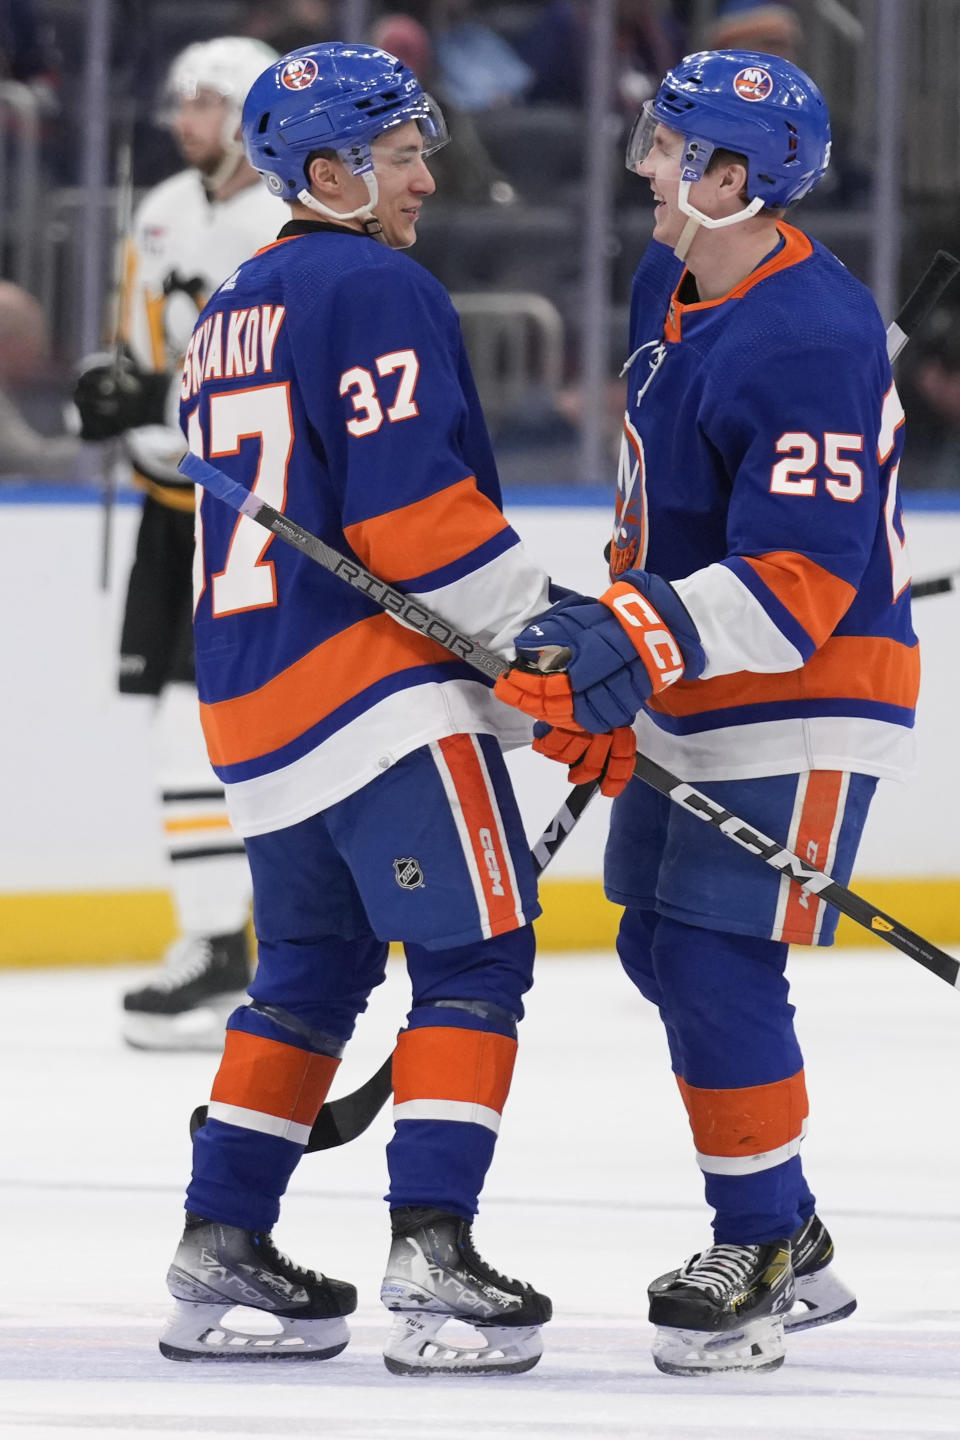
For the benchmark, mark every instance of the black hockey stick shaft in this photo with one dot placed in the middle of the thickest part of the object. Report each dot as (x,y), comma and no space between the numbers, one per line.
(936,585)
(737,830)
(921,300)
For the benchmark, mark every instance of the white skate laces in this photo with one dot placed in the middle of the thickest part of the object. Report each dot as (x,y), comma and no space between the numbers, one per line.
(720,1269)
(187,959)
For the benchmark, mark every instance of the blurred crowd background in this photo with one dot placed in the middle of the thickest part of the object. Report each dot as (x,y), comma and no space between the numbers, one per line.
(536,226)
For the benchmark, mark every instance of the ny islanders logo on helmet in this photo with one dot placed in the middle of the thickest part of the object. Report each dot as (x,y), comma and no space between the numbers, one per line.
(299,74)
(753,83)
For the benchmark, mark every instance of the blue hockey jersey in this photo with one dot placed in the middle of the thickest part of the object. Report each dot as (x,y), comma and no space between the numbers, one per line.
(328,374)
(762,439)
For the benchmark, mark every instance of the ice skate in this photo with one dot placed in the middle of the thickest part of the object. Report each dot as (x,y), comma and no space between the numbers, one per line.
(187,1003)
(237,1298)
(723,1310)
(434,1275)
(821,1296)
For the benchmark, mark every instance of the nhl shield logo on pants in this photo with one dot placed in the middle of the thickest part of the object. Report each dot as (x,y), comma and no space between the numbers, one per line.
(408,873)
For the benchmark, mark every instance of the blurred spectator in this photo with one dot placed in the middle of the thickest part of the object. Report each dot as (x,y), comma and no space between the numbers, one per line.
(24,452)
(751,25)
(648,40)
(288,24)
(930,384)
(479,70)
(778,30)
(27,50)
(464,170)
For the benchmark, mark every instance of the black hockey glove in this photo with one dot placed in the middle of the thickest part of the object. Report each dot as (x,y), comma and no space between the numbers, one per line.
(116,395)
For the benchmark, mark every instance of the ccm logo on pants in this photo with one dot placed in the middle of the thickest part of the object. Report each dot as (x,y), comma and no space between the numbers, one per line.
(490,860)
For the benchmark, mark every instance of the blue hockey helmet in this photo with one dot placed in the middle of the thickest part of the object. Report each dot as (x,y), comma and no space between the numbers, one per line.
(758,105)
(332,97)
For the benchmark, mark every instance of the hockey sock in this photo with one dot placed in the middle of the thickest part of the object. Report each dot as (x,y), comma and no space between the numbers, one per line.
(272,1080)
(451,1076)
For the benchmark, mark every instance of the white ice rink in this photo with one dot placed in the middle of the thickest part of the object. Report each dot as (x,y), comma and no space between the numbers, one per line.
(593,1192)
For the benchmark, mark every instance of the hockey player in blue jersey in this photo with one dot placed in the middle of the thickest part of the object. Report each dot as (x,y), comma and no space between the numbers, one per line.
(362,763)
(758,477)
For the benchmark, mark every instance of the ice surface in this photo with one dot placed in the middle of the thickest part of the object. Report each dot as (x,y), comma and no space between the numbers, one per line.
(593,1192)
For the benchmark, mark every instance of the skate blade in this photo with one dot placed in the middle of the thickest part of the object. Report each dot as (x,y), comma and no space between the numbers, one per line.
(241,1333)
(755,1346)
(202,1028)
(413,1348)
(820,1299)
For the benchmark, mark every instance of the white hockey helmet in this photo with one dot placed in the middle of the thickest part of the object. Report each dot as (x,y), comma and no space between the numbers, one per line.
(226,66)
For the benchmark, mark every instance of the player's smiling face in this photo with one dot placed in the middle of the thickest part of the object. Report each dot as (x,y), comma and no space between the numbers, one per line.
(662,167)
(404,182)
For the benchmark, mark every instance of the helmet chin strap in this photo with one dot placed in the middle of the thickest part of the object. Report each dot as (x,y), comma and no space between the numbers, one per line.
(696,218)
(364,213)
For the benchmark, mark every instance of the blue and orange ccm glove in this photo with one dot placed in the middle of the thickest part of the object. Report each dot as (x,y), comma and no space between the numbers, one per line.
(632,643)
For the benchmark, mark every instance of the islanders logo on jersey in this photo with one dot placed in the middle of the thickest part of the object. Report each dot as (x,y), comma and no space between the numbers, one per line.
(753,83)
(299,74)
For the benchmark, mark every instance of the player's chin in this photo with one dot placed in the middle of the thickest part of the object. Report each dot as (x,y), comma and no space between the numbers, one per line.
(404,232)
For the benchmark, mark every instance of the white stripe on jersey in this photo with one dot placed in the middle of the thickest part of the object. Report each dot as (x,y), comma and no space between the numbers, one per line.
(368,745)
(505,594)
(782,747)
(735,631)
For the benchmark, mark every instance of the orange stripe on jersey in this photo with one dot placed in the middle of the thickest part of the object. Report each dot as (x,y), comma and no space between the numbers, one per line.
(312,688)
(482,823)
(796,247)
(442,1062)
(846,667)
(814,597)
(747,1121)
(426,534)
(276,1079)
(814,841)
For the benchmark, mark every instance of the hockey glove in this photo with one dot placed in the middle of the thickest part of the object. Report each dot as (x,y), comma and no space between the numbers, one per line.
(113,395)
(608,758)
(632,643)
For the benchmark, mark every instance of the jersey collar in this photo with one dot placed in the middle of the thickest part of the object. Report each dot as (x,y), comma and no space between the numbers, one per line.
(796,247)
(293,228)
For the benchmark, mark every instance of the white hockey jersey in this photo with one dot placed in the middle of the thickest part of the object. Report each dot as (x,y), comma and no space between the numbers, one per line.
(182,246)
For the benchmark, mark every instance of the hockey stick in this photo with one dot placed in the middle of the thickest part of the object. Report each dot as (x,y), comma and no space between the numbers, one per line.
(419,618)
(341,1120)
(936,585)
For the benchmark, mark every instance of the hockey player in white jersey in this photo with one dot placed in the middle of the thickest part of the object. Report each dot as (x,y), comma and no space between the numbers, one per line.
(189,233)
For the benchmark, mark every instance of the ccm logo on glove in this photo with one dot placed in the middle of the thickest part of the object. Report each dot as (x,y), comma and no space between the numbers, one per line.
(648,633)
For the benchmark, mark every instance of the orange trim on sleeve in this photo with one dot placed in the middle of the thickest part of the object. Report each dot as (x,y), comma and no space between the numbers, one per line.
(428,533)
(846,667)
(815,598)
(442,1062)
(751,1120)
(276,1079)
(796,247)
(312,688)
